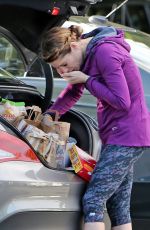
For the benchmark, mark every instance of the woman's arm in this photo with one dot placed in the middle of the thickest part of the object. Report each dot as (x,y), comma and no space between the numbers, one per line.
(115,92)
(67,98)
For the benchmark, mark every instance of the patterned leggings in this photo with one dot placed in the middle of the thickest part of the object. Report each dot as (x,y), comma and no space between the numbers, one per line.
(111,185)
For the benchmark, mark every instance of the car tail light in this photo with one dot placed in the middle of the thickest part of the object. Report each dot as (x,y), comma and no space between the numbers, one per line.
(14,149)
(55,11)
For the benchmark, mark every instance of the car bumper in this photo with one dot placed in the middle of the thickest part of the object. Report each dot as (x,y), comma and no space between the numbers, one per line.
(27,186)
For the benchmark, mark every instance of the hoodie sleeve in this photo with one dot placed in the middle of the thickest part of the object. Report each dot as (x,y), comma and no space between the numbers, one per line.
(67,98)
(109,61)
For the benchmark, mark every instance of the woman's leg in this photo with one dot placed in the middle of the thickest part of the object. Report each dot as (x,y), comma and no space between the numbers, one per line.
(107,177)
(101,188)
(94,226)
(123,227)
(118,205)
(96,194)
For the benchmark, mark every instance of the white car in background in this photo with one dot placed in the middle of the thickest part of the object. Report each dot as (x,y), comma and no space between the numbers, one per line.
(140,51)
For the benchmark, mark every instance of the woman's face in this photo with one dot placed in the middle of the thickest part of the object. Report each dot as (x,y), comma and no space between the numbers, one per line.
(69,62)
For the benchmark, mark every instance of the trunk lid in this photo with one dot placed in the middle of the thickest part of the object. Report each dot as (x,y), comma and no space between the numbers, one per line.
(30,18)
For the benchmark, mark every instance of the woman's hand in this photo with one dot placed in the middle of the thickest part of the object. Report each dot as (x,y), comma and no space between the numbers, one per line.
(46,119)
(75,77)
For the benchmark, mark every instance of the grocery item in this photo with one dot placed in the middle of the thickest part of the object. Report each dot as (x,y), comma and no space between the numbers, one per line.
(55,126)
(50,145)
(83,164)
(10,110)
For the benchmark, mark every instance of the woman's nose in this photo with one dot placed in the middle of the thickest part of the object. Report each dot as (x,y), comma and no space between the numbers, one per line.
(62,70)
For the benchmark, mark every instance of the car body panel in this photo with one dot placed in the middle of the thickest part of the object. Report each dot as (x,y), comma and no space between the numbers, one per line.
(30,186)
(33,187)
(17,148)
(45,220)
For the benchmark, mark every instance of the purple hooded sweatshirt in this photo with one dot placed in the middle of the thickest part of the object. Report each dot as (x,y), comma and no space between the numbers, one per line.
(115,81)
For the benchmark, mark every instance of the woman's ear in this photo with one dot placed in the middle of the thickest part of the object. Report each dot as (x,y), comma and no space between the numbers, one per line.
(74,45)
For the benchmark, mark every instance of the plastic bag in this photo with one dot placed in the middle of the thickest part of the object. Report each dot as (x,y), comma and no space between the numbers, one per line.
(10,110)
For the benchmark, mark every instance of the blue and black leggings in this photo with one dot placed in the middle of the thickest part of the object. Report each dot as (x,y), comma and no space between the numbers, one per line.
(111,185)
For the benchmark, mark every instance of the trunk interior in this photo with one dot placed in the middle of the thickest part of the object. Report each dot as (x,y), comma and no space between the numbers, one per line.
(79,129)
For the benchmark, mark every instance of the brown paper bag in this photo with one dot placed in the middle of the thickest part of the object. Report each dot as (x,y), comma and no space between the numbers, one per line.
(59,127)
(50,145)
(44,145)
(34,116)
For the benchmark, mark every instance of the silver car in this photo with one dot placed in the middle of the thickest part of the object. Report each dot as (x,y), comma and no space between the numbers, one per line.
(34,195)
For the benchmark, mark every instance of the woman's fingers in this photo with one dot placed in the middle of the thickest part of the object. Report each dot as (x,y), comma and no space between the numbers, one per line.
(75,77)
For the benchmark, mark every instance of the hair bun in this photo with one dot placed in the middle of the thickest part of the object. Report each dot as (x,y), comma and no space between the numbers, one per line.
(76,32)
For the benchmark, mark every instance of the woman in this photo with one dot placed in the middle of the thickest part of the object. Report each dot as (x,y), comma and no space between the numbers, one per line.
(101,62)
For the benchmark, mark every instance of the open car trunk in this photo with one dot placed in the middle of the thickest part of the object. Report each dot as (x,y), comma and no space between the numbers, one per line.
(29,20)
(80,128)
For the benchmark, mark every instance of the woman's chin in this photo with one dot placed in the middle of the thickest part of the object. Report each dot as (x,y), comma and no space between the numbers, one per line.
(76,69)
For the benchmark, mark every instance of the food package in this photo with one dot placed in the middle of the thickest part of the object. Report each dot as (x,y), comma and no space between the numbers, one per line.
(10,110)
(62,156)
(82,163)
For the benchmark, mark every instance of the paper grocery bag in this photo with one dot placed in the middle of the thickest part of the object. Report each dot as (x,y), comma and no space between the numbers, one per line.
(45,145)
(34,116)
(55,126)
(51,146)
(61,128)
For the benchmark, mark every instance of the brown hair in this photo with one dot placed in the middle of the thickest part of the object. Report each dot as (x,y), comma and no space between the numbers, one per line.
(56,41)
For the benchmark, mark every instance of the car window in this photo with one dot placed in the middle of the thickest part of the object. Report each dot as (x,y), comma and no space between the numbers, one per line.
(35,69)
(134,13)
(140,51)
(139,20)
(146,83)
(16,66)
(35,75)
(128,16)
(11,63)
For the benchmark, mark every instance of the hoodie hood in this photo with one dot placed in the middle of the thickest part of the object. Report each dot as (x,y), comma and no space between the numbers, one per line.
(105,34)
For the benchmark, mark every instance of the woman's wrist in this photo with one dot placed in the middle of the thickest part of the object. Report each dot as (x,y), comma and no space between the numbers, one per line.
(86,79)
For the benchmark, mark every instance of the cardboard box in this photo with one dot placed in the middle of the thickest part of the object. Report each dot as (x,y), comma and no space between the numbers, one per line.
(82,163)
